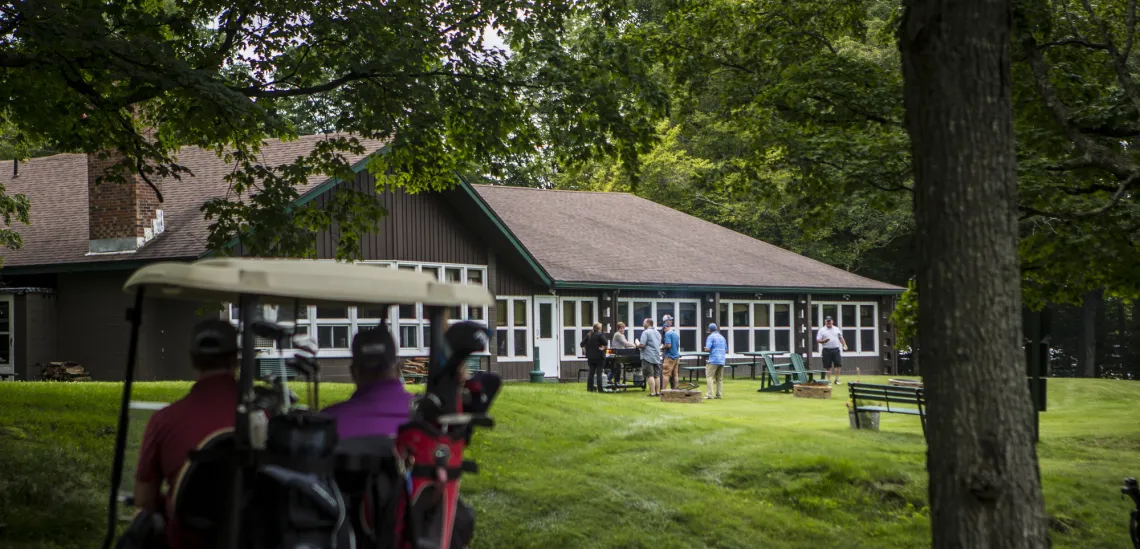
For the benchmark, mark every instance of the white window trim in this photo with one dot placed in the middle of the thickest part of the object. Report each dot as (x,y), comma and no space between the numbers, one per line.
(817,307)
(625,312)
(420,322)
(392,319)
(751,320)
(582,324)
(510,328)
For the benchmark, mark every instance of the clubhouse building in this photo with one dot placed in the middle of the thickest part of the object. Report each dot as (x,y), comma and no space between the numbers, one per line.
(557,261)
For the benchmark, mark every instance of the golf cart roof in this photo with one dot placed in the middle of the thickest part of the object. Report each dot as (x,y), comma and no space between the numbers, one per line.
(306,280)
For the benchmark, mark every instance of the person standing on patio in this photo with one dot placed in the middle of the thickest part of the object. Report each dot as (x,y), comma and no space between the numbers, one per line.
(831,337)
(618,341)
(650,345)
(717,348)
(595,358)
(671,364)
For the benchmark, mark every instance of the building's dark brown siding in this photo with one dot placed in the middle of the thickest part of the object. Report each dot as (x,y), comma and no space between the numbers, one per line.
(419,227)
(508,282)
(93,329)
(34,319)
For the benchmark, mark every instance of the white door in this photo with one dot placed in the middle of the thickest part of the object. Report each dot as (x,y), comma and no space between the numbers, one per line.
(545,335)
(7,368)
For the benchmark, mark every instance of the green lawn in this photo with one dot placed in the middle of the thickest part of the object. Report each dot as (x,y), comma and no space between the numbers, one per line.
(569,469)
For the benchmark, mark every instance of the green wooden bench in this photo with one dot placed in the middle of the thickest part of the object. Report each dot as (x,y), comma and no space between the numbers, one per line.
(881,398)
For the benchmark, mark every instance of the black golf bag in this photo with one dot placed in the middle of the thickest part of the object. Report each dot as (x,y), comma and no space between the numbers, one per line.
(295,500)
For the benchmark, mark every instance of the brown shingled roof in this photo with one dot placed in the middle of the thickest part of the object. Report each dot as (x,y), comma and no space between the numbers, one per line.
(620,238)
(57,188)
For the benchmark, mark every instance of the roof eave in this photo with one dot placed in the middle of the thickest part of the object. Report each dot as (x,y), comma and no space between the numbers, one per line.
(649,286)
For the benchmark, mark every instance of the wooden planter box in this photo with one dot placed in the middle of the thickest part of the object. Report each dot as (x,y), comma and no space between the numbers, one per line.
(677,395)
(815,390)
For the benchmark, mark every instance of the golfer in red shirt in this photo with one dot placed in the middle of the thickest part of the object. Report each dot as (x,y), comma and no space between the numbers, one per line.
(180,428)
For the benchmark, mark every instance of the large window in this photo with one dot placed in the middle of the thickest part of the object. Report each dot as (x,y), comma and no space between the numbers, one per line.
(512,328)
(334,327)
(858,321)
(753,326)
(414,328)
(684,312)
(578,318)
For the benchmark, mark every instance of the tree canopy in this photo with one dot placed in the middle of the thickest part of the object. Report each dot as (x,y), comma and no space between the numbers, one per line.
(150,77)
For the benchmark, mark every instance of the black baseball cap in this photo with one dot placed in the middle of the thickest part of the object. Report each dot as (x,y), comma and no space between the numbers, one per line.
(467,337)
(214,337)
(374,349)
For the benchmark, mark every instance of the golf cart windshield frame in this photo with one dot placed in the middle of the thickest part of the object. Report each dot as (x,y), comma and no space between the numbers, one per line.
(253,282)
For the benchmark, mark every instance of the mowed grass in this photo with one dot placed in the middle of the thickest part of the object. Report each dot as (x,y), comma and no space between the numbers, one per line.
(564,468)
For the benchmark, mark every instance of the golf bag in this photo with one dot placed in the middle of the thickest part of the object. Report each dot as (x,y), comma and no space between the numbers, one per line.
(296,500)
(429,514)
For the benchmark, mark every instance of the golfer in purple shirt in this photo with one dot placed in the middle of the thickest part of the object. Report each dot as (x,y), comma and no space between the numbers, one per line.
(380,404)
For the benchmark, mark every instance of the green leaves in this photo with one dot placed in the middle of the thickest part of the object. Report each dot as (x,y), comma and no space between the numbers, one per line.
(87,76)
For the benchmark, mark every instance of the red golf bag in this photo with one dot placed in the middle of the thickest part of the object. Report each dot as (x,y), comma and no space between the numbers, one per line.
(429,513)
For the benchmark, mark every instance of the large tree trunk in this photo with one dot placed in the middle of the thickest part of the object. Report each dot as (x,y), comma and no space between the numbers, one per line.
(1134,339)
(1086,344)
(985,487)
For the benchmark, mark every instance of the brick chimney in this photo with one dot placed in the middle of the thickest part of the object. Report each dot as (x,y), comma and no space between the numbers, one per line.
(122,216)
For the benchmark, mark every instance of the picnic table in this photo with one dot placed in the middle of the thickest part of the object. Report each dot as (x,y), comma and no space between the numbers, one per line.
(694,371)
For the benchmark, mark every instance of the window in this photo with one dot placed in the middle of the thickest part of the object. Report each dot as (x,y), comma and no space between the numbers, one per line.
(754,326)
(578,318)
(858,321)
(685,313)
(413,332)
(334,327)
(512,328)
(285,314)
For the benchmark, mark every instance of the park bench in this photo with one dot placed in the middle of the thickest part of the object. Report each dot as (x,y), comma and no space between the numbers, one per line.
(881,398)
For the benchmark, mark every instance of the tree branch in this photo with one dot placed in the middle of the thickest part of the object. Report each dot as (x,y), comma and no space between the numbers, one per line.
(1119,61)
(1122,132)
(14,60)
(1075,42)
(231,29)
(1116,197)
(1129,28)
(354,76)
(869,116)
(1093,154)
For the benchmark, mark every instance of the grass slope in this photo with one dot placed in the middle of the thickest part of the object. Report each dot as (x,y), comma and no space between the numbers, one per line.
(564,468)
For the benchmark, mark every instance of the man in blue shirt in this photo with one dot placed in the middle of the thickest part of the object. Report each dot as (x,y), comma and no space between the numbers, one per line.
(717,348)
(672,348)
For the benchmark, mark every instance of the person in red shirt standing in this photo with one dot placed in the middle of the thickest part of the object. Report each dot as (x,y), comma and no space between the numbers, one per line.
(175,431)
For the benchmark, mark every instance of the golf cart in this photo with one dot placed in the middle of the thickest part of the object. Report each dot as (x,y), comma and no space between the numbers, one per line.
(280,477)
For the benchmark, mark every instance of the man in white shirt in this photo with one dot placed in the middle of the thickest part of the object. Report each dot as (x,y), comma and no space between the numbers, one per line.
(832,340)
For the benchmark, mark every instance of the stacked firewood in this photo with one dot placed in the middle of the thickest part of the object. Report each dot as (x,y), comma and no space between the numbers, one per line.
(415,366)
(63,371)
